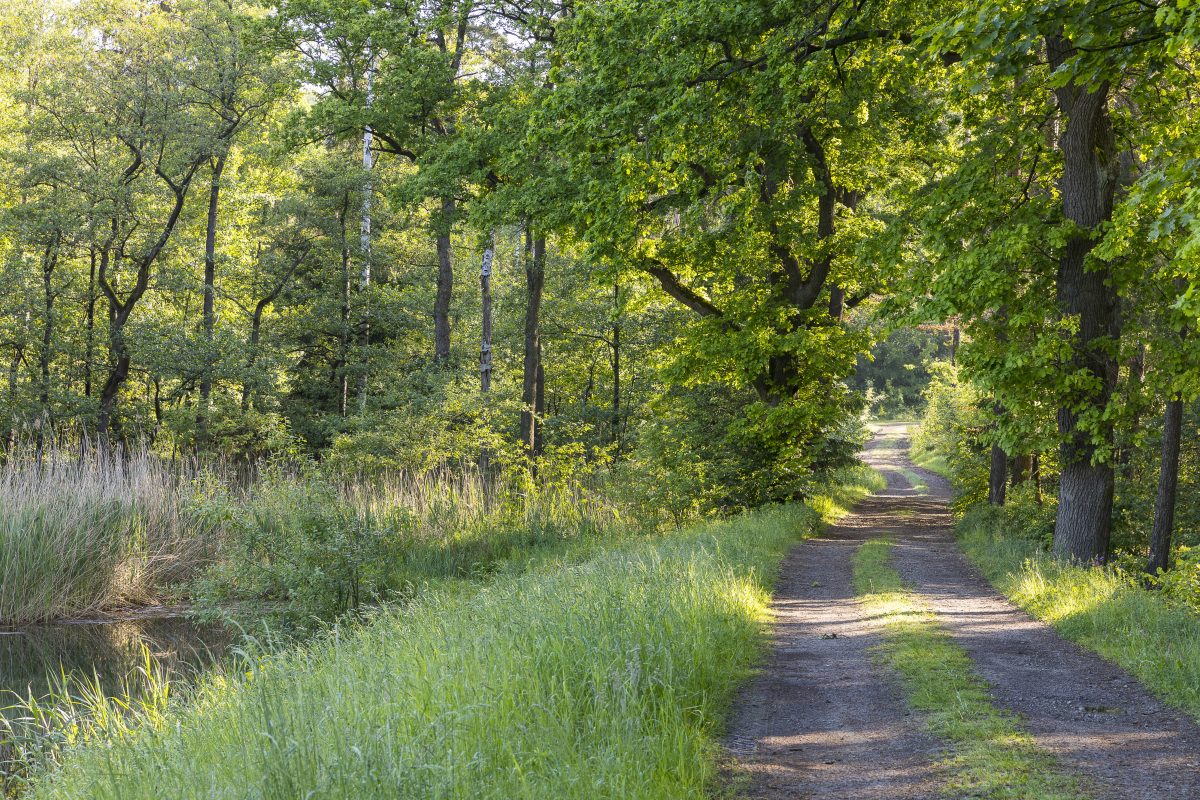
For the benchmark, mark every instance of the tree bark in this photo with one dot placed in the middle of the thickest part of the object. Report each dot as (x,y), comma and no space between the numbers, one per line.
(364,240)
(1021,468)
(616,370)
(45,357)
(445,286)
(485,344)
(90,326)
(210,281)
(535,277)
(1168,480)
(539,406)
(998,476)
(1084,292)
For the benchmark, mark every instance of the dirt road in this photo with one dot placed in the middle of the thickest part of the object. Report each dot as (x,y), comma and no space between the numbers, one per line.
(823,720)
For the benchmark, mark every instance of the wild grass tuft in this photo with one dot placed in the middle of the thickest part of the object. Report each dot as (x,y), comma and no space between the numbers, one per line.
(81,533)
(992,756)
(601,679)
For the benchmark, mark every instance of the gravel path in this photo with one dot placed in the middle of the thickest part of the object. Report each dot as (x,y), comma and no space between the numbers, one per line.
(823,721)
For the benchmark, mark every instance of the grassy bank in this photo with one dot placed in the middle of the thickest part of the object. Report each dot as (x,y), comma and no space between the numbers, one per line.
(599,667)
(1106,610)
(602,679)
(81,535)
(992,756)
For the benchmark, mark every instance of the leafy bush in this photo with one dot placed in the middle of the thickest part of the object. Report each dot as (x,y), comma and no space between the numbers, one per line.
(1181,583)
(296,540)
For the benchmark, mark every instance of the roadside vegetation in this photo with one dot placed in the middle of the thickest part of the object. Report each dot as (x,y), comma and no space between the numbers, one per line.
(607,671)
(1151,632)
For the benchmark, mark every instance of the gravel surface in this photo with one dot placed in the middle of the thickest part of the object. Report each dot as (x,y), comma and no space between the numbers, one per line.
(823,721)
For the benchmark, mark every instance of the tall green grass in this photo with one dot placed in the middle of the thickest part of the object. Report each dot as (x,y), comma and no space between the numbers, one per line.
(601,679)
(1104,609)
(81,533)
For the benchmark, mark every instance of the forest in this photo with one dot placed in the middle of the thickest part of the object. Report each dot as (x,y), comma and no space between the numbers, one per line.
(429,398)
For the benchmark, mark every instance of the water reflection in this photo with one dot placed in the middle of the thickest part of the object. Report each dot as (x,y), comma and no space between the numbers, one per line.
(30,657)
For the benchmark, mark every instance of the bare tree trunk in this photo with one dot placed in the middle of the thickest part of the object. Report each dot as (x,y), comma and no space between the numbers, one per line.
(343,374)
(445,286)
(1168,480)
(210,281)
(1084,520)
(539,406)
(45,357)
(252,356)
(535,277)
(1021,467)
(364,238)
(1035,475)
(90,326)
(485,345)
(616,376)
(997,476)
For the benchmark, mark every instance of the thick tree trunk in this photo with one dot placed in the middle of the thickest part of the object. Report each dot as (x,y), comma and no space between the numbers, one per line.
(998,476)
(1168,479)
(445,287)
(1021,467)
(1084,520)
(535,277)
(209,313)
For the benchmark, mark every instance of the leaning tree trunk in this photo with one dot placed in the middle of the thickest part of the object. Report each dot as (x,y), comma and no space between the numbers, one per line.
(535,278)
(1168,480)
(1084,292)
(445,287)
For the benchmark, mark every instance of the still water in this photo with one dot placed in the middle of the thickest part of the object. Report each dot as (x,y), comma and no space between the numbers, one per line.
(31,656)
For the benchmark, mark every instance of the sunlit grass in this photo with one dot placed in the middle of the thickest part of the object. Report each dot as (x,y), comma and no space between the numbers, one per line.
(606,678)
(84,532)
(1104,610)
(991,755)
(846,488)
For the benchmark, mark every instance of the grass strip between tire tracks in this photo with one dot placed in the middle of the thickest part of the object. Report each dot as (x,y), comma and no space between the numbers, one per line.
(991,756)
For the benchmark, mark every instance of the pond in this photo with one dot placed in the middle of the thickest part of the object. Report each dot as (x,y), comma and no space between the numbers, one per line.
(110,650)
